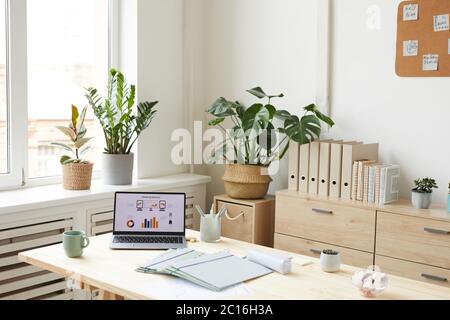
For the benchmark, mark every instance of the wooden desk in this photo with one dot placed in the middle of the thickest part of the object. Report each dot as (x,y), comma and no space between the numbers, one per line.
(113,273)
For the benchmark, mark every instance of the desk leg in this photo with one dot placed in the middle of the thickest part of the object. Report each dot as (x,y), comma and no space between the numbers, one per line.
(102,294)
(105,295)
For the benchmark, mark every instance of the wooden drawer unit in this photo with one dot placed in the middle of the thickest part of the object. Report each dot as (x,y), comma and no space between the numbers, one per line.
(416,271)
(314,249)
(255,223)
(326,222)
(414,239)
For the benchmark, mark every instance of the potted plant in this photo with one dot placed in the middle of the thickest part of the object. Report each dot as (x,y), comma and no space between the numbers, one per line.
(77,172)
(330,261)
(252,144)
(422,193)
(121,126)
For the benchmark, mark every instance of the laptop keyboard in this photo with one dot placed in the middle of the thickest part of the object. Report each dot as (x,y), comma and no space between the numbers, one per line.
(128,239)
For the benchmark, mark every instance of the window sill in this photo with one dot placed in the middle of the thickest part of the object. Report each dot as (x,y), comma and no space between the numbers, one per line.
(54,195)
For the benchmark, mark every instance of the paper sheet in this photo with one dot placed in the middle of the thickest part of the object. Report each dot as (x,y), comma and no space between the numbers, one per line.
(174,289)
(430,62)
(410,48)
(441,23)
(411,12)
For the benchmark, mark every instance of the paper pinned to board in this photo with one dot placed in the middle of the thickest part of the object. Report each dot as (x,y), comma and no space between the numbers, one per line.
(441,23)
(448,46)
(410,48)
(430,62)
(411,12)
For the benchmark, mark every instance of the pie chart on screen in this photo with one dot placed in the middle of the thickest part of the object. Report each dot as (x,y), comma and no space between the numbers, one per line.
(130,224)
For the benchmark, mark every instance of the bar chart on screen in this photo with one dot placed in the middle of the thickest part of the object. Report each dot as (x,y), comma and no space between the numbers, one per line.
(150,224)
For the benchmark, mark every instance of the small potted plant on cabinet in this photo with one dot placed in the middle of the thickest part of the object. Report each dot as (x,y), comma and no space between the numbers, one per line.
(77,172)
(121,125)
(422,193)
(251,145)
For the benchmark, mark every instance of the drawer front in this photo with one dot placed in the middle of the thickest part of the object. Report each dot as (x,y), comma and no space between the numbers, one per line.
(415,271)
(240,229)
(414,239)
(319,221)
(313,249)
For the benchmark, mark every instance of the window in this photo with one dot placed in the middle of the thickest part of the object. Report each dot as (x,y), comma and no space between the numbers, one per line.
(67,51)
(4,153)
(50,50)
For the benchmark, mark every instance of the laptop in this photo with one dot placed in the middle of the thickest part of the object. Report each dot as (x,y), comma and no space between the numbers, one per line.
(149,221)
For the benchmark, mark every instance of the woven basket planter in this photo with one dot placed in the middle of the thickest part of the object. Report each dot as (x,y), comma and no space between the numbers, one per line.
(77,176)
(246,181)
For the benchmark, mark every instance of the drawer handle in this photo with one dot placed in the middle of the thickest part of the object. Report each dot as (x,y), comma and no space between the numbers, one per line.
(322,211)
(437,231)
(432,277)
(315,251)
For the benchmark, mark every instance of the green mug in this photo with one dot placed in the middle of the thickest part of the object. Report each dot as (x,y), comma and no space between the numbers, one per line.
(74,242)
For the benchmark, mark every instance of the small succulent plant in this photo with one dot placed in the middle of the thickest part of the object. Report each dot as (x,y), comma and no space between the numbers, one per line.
(425,185)
(76,132)
(330,252)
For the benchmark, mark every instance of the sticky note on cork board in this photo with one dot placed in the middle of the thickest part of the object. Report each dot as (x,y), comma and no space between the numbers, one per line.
(421,40)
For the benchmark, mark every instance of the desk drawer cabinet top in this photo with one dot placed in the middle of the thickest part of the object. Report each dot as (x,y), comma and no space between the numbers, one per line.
(414,239)
(340,225)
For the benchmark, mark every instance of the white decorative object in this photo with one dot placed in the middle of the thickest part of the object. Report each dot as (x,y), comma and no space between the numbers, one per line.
(330,261)
(370,282)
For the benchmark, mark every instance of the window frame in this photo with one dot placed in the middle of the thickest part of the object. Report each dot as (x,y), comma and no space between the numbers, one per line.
(17,92)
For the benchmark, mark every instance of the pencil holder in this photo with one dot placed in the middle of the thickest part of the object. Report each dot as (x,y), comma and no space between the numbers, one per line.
(210,228)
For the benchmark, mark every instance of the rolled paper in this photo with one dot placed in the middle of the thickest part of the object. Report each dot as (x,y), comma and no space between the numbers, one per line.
(278,263)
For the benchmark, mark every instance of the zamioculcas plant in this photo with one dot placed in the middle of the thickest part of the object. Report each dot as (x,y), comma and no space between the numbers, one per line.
(75,132)
(121,125)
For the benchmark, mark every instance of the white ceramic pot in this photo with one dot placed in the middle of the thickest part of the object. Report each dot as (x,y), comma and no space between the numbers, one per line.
(330,262)
(421,200)
(118,169)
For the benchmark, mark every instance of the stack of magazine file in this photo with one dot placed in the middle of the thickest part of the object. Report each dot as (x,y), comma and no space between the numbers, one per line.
(216,272)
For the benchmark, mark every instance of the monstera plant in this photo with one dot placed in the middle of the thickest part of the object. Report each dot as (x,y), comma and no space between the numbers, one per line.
(121,125)
(259,135)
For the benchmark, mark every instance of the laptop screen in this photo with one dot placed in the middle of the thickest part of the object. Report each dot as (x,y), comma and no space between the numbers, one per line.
(149,213)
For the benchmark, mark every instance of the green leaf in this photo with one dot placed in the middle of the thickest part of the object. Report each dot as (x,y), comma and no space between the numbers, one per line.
(68,132)
(272,110)
(222,108)
(75,116)
(282,114)
(258,92)
(281,95)
(313,108)
(64,159)
(216,122)
(303,130)
(256,118)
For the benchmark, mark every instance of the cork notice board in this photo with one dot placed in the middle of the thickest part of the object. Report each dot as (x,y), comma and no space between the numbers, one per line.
(423,39)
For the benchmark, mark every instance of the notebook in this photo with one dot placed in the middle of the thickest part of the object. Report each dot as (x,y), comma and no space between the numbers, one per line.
(216,271)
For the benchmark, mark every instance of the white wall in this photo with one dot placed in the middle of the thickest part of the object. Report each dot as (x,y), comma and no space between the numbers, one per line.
(268,43)
(151,56)
(409,117)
